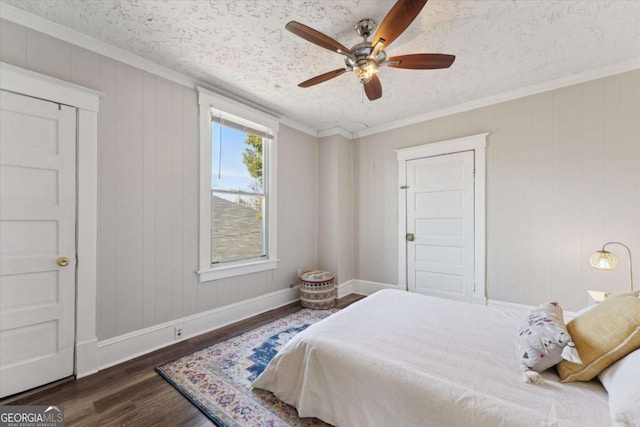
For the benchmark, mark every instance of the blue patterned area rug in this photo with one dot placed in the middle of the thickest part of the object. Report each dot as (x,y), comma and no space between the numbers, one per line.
(218,379)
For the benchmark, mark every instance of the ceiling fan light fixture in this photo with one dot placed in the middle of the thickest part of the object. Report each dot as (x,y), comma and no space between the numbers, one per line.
(365,69)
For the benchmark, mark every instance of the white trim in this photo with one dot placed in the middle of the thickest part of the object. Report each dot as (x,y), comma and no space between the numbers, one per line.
(345,288)
(231,270)
(87,101)
(299,127)
(478,144)
(87,240)
(335,131)
(449,146)
(524,308)
(125,347)
(366,287)
(609,70)
(88,363)
(206,272)
(253,113)
(38,85)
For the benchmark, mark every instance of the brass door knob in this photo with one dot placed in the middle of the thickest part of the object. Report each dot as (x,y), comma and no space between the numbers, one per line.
(63,261)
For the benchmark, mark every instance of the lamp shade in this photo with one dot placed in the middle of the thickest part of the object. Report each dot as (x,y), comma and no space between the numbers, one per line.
(604,260)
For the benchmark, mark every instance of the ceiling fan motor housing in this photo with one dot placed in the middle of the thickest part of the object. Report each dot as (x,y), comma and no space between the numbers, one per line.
(361,63)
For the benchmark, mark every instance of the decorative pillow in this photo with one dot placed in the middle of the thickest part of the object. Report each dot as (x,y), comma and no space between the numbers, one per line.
(621,381)
(543,341)
(602,335)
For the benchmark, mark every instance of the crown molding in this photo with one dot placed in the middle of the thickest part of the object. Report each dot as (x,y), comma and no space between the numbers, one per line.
(37,23)
(335,131)
(609,70)
(299,127)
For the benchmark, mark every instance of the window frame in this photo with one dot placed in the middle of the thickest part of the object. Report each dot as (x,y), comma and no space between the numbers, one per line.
(208,271)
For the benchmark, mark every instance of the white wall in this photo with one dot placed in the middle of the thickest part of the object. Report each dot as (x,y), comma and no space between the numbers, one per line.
(148,184)
(563,177)
(335,204)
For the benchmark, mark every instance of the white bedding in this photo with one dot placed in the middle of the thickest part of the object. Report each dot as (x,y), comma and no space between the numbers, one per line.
(402,359)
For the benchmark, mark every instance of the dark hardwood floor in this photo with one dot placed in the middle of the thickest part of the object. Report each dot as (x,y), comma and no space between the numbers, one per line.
(132,393)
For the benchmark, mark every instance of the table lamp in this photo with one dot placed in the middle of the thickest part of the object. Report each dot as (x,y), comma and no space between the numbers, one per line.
(605,260)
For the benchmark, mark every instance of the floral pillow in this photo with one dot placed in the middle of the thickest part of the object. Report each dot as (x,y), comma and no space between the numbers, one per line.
(543,341)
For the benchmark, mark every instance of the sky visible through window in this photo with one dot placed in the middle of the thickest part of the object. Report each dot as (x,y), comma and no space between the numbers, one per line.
(228,172)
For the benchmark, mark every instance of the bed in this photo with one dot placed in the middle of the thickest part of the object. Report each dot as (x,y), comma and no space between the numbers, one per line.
(402,359)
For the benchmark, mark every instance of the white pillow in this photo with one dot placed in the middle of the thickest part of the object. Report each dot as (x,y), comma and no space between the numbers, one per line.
(622,381)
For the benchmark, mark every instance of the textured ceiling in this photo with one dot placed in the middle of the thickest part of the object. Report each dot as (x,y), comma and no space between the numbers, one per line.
(242,47)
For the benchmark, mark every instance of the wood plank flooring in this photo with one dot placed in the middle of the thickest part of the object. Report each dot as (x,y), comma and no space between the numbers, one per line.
(132,393)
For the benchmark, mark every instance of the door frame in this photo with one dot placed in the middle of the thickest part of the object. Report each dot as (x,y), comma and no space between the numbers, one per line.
(477,144)
(87,102)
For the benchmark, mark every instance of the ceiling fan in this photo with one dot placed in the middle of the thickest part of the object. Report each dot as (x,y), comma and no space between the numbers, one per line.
(365,58)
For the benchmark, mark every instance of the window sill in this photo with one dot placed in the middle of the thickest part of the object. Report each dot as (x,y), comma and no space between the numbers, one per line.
(231,270)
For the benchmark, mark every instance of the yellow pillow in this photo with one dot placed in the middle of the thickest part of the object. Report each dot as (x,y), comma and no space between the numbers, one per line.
(602,335)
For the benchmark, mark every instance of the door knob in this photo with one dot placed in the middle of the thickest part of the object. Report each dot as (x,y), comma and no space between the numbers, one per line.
(63,261)
(411,237)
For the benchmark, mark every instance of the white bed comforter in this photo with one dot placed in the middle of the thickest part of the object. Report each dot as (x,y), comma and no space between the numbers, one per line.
(401,359)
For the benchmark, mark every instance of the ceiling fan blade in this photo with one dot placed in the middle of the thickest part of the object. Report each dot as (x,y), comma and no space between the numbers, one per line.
(315,37)
(397,20)
(323,77)
(373,88)
(423,61)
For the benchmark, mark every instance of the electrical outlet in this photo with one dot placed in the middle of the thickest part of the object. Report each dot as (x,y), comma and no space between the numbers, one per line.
(177,332)
(299,273)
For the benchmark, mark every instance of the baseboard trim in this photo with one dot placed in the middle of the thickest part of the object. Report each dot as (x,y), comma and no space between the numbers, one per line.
(86,358)
(128,346)
(345,288)
(366,287)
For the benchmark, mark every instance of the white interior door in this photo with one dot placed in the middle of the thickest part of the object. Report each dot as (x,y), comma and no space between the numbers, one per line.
(37,233)
(440,220)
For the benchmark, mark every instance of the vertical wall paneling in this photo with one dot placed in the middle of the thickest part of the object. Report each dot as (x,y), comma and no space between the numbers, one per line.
(493,188)
(13,43)
(129,171)
(541,191)
(612,175)
(509,201)
(525,144)
(177,198)
(164,203)
(48,55)
(190,182)
(630,171)
(567,176)
(107,200)
(149,199)
(593,146)
(85,68)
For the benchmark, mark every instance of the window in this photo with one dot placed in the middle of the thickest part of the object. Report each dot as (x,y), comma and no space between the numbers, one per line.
(238,192)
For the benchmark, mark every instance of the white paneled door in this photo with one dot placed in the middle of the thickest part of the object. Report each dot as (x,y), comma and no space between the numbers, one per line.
(37,242)
(440,225)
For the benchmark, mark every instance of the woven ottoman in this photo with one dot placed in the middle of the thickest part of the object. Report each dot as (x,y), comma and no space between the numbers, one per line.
(318,290)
